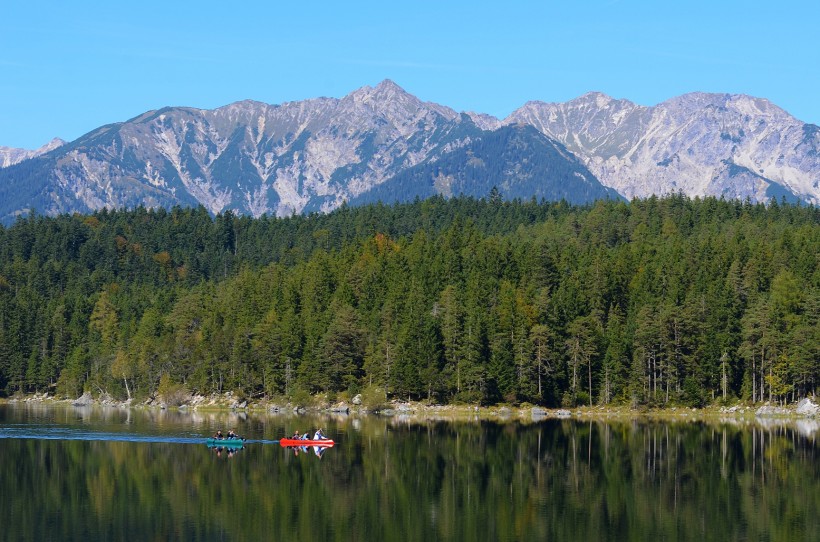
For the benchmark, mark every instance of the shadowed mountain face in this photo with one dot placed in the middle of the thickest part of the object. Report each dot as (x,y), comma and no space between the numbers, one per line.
(517,160)
(383,143)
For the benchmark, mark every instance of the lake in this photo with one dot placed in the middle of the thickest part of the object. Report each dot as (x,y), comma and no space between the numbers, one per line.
(95,473)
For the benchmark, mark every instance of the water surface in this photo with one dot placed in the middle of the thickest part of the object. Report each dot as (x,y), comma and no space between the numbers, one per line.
(110,474)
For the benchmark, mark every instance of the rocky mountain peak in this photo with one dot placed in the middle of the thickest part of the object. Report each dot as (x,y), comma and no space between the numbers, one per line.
(592,99)
(388,85)
(703,144)
(312,155)
(739,104)
(484,121)
(10,155)
(51,145)
(389,98)
(386,91)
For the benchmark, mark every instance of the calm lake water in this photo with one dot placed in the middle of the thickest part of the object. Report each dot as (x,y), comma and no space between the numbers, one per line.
(110,474)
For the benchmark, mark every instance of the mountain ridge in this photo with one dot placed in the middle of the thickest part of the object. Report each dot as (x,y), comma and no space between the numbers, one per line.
(11,155)
(683,144)
(312,155)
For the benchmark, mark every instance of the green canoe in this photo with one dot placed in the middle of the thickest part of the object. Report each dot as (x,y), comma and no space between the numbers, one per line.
(225,442)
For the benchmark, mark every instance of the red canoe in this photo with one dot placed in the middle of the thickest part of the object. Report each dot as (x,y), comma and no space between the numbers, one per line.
(286,442)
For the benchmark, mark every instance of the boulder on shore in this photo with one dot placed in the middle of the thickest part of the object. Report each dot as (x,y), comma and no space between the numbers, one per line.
(807,408)
(538,413)
(83,400)
(340,408)
(769,411)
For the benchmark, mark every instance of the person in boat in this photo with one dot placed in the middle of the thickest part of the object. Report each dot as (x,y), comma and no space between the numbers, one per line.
(319,435)
(232,434)
(306,436)
(218,435)
(296,436)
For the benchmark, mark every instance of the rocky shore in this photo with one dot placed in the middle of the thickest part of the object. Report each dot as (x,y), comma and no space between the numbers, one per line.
(806,409)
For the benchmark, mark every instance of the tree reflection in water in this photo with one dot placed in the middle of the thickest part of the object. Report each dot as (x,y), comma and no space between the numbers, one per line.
(397,480)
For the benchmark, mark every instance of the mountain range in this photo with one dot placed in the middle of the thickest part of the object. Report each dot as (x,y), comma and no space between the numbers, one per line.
(382,143)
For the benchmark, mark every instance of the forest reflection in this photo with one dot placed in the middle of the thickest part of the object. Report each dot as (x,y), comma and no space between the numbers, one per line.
(396,479)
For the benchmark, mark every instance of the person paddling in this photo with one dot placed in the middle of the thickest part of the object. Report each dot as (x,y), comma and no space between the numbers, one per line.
(296,436)
(218,435)
(319,435)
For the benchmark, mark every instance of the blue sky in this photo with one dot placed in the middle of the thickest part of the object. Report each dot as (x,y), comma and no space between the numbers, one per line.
(69,67)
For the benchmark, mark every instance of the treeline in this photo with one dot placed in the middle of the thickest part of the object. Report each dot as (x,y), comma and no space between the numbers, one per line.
(657,301)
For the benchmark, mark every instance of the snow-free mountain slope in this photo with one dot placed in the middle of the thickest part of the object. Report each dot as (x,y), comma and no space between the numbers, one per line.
(701,144)
(384,143)
(10,156)
(248,156)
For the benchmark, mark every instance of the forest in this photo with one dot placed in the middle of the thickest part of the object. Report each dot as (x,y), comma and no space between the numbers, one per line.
(660,301)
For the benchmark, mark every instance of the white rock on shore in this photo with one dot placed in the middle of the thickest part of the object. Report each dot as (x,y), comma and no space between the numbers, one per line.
(769,411)
(807,408)
(84,400)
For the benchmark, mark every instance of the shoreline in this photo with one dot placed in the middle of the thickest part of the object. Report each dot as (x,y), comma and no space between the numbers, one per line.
(806,410)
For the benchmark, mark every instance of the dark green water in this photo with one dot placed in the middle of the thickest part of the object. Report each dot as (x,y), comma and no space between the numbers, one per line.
(110,474)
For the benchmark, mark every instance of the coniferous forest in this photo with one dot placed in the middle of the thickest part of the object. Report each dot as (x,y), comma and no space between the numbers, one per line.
(663,301)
